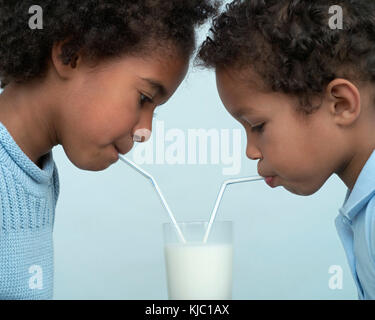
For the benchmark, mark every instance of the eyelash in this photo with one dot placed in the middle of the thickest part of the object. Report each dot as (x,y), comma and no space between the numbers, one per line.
(259,128)
(144,99)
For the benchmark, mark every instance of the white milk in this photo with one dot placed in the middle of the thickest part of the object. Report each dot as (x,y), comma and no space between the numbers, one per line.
(199,271)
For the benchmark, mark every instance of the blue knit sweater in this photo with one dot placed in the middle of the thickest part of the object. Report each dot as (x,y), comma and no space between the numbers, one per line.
(28,197)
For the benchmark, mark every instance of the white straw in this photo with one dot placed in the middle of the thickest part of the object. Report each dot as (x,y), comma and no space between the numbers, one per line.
(153,181)
(220,196)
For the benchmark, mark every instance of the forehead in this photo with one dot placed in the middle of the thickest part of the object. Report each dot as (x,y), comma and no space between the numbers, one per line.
(167,70)
(170,67)
(245,93)
(240,90)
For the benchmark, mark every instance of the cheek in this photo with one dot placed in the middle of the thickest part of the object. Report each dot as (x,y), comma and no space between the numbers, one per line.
(302,157)
(286,150)
(99,120)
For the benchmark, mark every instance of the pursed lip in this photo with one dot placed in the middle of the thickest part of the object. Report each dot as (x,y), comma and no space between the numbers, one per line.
(265,175)
(271,181)
(123,145)
(119,150)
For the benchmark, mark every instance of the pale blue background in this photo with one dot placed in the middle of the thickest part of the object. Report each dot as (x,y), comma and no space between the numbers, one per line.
(108,237)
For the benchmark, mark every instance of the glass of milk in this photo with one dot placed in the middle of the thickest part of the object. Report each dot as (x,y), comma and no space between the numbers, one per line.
(197,270)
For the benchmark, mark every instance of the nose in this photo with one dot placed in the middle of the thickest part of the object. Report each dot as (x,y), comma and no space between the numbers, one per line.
(142,130)
(252,152)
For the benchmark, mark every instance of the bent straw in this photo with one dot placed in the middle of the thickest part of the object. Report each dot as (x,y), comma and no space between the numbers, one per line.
(220,196)
(153,182)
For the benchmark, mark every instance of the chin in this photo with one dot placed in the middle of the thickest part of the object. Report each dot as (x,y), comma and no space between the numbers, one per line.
(91,166)
(303,191)
(96,167)
(92,163)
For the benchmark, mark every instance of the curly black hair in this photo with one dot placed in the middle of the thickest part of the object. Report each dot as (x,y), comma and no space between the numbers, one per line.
(291,45)
(100,29)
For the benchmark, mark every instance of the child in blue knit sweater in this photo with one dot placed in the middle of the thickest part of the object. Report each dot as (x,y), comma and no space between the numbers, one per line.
(302,86)
(85,75)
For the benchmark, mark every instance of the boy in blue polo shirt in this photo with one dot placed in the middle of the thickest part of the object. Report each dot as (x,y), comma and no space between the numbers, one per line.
(304,92)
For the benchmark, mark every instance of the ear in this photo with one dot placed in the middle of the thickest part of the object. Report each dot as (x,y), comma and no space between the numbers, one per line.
(344,101)
(64,70)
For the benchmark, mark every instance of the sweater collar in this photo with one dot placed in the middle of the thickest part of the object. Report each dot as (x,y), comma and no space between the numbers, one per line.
(16,157)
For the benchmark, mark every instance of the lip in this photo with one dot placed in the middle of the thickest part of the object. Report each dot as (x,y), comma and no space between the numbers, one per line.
(116,154)
(118,150)
(271,181)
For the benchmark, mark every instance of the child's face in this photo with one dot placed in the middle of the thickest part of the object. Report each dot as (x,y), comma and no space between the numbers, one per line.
(300,152)
(102,108)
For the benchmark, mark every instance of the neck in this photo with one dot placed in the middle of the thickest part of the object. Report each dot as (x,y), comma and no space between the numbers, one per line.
(363,146)
(351,172)
(26,112)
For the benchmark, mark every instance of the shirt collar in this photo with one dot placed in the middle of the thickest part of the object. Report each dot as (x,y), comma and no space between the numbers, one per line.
(363,190)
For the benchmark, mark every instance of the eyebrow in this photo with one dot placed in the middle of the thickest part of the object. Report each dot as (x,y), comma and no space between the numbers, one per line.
(157,85)
(239,113)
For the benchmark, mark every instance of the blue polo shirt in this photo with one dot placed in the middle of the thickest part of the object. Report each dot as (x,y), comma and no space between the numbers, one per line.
(356,227)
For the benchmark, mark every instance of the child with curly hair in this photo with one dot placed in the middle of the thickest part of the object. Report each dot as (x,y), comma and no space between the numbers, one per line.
(87,80)
(305,95)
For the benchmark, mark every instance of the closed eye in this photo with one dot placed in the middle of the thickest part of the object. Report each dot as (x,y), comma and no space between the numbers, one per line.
(144,99)
(258,128)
